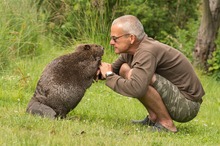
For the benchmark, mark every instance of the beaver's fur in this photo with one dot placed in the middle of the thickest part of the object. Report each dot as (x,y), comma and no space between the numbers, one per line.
(64,82)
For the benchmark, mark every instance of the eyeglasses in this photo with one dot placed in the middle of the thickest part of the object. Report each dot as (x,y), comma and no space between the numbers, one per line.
(114,38)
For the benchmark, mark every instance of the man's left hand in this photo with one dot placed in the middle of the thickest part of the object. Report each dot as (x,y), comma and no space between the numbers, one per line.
(104,68)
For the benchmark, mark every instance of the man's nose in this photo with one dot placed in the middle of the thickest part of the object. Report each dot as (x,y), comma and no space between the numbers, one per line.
(112,42)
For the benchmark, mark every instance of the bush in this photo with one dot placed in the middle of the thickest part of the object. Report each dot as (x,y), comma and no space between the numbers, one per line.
(214,63)
(160,17)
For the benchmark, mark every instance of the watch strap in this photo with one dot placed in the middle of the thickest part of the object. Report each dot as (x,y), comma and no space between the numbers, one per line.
(109,73)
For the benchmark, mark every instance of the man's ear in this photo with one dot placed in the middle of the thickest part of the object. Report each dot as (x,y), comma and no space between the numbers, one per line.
(132,38)
(87,47)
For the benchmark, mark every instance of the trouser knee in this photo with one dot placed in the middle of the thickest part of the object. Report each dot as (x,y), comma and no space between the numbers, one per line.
(179,107)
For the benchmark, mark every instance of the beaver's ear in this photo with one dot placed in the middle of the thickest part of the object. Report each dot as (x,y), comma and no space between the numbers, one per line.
(87,47)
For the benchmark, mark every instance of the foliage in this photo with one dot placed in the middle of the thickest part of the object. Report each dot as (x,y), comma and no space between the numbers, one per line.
(160,17)
(20,31)
(214,63)
(82,20)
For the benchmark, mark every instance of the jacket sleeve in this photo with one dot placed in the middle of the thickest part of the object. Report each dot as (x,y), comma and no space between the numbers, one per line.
(117,64)
(143,66)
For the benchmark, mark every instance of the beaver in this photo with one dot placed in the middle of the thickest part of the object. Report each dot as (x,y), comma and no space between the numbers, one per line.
(64,81)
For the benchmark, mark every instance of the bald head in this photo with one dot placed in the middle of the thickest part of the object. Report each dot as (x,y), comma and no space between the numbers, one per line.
(130,24)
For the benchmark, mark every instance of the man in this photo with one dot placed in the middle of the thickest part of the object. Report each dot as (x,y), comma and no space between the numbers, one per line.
(159,76)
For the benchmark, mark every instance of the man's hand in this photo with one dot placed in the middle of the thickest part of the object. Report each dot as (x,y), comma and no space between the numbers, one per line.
(104,68)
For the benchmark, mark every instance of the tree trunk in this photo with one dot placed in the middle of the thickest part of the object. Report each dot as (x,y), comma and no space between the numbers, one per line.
(205,43)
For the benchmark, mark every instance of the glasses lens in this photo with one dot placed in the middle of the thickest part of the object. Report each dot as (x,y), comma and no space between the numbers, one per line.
(114,38)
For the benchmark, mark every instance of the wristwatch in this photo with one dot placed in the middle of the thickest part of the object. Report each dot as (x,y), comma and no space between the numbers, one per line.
(109,73)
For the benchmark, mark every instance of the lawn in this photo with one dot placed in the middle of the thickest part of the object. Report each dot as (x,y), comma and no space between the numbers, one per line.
(103,117)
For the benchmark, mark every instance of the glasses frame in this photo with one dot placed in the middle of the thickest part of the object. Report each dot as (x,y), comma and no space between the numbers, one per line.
(114,38)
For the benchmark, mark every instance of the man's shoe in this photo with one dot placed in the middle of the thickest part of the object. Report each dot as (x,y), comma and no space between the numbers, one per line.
(160,128)
(145,121)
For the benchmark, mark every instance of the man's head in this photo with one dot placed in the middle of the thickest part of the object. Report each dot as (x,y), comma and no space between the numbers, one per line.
(126,32)
(131,25)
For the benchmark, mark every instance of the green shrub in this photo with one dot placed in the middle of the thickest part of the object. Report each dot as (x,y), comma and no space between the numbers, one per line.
(214,63)
(160,17)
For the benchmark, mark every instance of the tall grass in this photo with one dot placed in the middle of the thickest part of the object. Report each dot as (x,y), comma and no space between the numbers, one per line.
(20,30)
(88,22)
(81,21)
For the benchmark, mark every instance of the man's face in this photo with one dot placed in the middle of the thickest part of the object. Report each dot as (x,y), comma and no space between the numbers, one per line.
(119,40)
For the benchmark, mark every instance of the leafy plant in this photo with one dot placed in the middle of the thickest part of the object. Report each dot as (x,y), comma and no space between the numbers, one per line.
(160,17)
(214,63)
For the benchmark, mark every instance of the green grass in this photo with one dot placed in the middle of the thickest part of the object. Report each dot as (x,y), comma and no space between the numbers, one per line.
(102,117)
